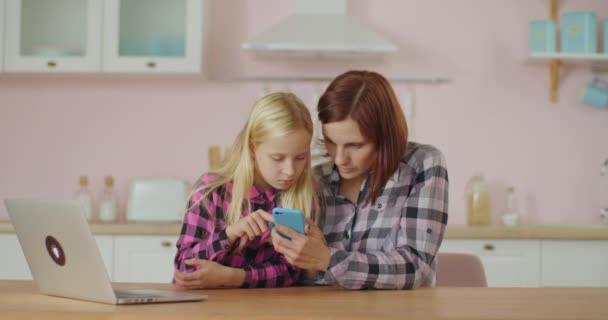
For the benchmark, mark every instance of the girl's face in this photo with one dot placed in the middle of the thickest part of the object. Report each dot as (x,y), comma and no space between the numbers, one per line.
(279,162)
(352,153)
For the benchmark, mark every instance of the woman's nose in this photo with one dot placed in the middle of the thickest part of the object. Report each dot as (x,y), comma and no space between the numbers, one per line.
(341,157)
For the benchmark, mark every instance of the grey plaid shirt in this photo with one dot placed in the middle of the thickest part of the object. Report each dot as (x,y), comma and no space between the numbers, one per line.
(392,243)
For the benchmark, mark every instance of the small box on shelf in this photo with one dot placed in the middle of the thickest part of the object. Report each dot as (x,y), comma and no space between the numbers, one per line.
(606,35)
(543,36)
(579,32)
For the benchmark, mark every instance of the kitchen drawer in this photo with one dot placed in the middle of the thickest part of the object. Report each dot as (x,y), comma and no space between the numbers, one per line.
(507,263)
(144,258)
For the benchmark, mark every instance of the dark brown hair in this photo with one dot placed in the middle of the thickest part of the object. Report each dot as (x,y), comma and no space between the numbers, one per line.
(368,99)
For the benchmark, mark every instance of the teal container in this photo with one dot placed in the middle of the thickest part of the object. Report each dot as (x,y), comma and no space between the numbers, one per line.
(606,35)
(579,32)
(596,94)
(543,36)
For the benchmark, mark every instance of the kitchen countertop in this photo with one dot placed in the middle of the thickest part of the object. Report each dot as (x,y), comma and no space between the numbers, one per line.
(150,229)
(530,232)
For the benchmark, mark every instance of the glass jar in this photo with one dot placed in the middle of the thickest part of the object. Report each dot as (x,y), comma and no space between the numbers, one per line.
(478,201)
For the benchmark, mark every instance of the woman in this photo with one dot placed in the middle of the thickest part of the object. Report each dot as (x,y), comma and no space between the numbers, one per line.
(385,200)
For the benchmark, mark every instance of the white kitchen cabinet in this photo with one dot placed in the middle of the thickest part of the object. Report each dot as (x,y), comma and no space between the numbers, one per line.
(15,267)
(2,19)
(507,263)
(144,258)
(53,35)
(574,263)
(105,243)
(151,36)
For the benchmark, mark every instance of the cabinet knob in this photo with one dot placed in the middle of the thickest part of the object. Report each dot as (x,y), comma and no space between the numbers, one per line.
(166,243)
(51,64)
(151,64)
(488,247)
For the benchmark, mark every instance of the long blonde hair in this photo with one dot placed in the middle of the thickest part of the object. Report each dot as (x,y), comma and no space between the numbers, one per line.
(274,115)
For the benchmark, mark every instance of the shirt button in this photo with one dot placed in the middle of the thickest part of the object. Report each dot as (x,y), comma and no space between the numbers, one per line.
(346,235)
(379,206)
(227,247)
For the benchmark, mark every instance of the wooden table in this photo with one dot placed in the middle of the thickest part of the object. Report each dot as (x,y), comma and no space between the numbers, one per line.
(20,300)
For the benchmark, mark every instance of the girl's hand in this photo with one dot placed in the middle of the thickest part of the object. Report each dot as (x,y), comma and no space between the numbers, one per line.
(249,227)
(309,252)
(209,274)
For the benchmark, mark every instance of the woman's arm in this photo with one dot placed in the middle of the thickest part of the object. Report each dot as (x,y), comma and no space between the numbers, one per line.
(421,231)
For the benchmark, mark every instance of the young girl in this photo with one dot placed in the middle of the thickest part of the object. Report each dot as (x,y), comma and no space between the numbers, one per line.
(223,240)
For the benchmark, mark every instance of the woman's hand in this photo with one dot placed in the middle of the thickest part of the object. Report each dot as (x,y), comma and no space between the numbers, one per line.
(209,274)
(309,252)
(249,227)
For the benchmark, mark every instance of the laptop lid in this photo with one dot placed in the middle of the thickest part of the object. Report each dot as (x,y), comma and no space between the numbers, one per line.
(60,249)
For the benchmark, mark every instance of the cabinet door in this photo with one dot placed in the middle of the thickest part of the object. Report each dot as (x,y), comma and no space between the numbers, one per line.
(53,35)
(106,249)
(144,258)
(152,36)
(2,19)
(15,267)
(507,263)
(574,263)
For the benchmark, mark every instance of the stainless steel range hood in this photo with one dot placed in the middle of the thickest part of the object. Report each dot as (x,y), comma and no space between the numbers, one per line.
(320,28)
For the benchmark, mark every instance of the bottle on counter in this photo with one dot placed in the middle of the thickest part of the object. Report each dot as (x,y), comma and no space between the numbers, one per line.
(511,217)
(108,205)
(85,197)
(478,201)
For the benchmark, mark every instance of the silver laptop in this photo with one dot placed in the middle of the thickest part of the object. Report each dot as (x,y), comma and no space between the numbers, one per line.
(64,258)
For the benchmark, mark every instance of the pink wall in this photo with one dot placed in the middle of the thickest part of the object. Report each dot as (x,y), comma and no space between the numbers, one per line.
(493,117)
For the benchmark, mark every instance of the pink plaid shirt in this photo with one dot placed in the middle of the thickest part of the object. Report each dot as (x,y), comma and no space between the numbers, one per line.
(203,236)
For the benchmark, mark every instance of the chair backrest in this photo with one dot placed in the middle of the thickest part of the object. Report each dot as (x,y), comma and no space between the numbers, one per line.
(460,270)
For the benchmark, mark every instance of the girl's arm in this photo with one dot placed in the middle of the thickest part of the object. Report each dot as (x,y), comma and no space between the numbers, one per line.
(273,272)
(203,233)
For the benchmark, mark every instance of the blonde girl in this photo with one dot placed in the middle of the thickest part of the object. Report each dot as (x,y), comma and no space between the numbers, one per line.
(223,241)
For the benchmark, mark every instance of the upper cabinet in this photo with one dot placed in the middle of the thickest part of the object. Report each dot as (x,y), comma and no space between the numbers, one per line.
(152,35)
(53,35)
(142,36)
(1,35)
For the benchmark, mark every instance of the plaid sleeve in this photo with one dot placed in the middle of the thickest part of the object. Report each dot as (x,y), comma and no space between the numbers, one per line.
(422,225)
(203,233)
(272,273)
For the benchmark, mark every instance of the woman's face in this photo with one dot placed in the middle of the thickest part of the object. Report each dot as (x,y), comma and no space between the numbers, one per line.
(349,149)
(279,162)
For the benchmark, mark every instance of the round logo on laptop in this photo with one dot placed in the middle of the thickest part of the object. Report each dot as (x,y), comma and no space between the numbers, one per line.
(55,250)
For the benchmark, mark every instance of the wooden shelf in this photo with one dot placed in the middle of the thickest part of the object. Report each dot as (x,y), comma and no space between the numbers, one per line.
(597,60)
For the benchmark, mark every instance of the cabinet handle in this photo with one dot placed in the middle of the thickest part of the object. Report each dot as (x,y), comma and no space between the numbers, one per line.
(166,243)
(51,64)
(488,247)
(151,64)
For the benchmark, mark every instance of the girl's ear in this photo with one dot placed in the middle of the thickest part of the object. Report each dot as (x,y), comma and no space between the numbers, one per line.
(252,151)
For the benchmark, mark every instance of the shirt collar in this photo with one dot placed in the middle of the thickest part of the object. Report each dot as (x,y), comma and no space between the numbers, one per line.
(258,196)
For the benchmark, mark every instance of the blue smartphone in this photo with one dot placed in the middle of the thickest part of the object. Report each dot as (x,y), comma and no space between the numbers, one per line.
(292,218)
